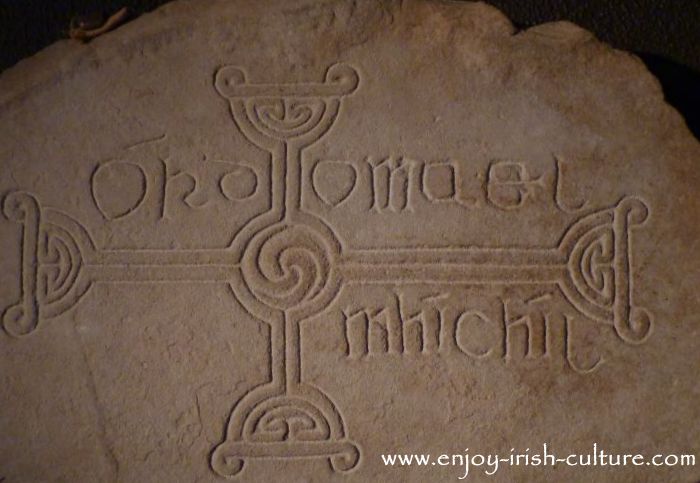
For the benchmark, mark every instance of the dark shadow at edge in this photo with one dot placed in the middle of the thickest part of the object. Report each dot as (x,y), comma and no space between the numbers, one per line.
(681,86)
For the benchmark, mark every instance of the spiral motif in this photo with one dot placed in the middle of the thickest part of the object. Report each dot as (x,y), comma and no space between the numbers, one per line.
(347,459)
(287,419)
(287,266)
(285,118)
(224,464)
(590,266)
(636,328)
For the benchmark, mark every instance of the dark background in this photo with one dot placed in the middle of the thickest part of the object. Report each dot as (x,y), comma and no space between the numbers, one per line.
(664,33)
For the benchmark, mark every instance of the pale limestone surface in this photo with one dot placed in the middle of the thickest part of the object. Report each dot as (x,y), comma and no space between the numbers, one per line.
(309,233)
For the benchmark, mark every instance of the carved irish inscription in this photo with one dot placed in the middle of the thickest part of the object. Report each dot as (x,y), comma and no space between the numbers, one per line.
(397,183)
(288,264)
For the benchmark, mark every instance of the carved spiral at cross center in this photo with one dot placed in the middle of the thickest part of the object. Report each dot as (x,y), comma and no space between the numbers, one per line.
(290,267)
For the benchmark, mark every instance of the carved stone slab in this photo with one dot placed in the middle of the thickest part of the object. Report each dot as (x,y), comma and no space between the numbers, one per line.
(275,240)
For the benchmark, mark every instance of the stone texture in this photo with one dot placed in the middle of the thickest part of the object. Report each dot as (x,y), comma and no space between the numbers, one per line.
(284,238)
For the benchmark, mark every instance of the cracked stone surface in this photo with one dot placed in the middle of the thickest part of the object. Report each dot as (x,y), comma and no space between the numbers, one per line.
(275,240)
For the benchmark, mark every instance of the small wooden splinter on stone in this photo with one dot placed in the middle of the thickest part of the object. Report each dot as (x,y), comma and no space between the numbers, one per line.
(87,27)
